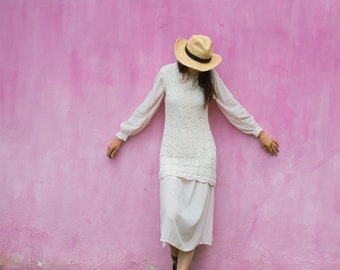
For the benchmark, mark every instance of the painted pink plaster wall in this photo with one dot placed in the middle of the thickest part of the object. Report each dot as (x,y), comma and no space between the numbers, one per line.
(71,71)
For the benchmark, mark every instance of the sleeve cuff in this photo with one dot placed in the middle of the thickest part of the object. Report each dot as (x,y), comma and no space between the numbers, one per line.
(257,132)
(122,136)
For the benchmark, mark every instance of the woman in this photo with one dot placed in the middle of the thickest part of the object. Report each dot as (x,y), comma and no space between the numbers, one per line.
(188,154)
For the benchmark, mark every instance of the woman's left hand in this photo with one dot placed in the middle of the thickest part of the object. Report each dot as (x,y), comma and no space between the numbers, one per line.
(269,144)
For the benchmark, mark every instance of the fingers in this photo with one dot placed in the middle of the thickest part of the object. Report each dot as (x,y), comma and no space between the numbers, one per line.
(111,151)
(272,148)
(269,150)
(113,148)
(269,144)
(265,148)
(109,154)
(276,144)
(275,147)
(273,151)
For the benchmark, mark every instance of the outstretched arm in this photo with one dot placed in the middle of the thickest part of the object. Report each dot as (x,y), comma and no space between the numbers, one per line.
(240,118)
(233,110)
(140,118)
(144,112)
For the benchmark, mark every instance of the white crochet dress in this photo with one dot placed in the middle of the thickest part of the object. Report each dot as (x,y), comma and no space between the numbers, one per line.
(188,152)
(188,148)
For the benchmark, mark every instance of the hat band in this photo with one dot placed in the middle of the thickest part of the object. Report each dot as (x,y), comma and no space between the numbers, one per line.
(196,58)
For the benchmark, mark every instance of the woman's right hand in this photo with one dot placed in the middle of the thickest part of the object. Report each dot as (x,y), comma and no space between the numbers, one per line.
(113,148)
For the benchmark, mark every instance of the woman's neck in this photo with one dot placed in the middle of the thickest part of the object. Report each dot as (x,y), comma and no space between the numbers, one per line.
(193,72)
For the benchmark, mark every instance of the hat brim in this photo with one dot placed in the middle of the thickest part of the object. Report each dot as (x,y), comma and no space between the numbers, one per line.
(184,59)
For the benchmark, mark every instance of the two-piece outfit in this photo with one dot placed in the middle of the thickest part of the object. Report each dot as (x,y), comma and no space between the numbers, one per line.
(188,152)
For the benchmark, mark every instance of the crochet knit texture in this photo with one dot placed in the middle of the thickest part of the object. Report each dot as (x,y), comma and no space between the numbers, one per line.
(188,148)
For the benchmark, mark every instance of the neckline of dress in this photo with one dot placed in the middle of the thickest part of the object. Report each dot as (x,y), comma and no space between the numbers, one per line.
(188,77)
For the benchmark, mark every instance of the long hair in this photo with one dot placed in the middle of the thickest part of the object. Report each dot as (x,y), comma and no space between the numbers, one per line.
(204,81)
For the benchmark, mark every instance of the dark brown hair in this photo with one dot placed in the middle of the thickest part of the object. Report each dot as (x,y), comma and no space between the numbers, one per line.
(204,81)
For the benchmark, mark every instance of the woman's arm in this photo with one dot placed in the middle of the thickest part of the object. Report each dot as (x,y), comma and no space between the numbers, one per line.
(240,118)
(233,110)
(140,117)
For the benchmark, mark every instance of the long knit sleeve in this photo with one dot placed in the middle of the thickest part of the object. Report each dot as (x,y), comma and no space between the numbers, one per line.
(144,112)
(233,110)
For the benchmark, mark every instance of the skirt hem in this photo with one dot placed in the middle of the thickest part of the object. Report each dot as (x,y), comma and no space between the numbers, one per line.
(164,242)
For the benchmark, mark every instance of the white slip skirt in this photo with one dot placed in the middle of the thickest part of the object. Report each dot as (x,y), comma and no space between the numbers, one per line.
(187,209)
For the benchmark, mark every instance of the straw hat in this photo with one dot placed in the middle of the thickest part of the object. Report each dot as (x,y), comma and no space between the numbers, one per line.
(196,53)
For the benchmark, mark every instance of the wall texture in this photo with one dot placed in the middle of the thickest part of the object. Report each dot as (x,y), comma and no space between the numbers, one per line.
(71,71)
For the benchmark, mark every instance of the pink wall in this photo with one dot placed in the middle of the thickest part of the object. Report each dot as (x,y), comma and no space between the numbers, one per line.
(71,71)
